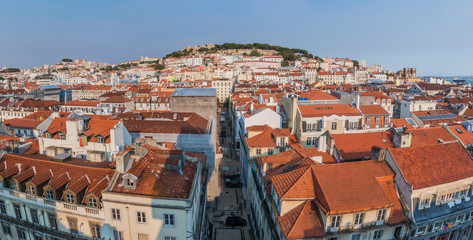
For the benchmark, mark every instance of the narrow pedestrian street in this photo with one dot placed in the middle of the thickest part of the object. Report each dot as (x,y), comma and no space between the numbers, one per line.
(230,202)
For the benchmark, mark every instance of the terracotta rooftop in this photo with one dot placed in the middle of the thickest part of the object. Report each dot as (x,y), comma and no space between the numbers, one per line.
(433,165)
(358,145)
(309,111)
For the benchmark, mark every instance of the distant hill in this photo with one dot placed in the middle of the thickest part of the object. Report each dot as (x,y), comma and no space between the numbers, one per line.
(289,54)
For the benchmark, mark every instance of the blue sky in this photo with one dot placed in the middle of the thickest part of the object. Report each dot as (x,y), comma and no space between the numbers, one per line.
(434,36)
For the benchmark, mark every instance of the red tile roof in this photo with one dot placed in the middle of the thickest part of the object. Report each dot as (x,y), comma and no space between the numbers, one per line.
(351,191)
(303,221)
(309,111)
(373,110)
(317,95)
(432,165)
(358,145)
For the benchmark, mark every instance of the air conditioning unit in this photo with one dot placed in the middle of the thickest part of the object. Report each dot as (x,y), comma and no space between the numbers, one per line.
(334,229)
(379,223)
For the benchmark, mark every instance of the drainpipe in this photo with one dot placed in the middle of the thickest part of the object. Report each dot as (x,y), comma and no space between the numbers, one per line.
(128,216)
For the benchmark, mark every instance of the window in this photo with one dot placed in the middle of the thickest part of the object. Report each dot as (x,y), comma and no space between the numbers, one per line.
(355,236)
(398,232)
(73,225)
(464,193)
(335,221)
(359,218)
(117,235)
(421,230)
(116,214)
(130,182)
(3,209)
(50,194)
(169,220)
(169,238)
(100,139)
(381,215)
(47,135)
(92,202)
(459,219)
(258,151)
(425,203)
(309,141)
(270,151)
(466,233)
(386,121)
(17,211)
(95,230)
(70,198)
(309,127)
(334,125)
(377,234)
(37,236)
(62,136)
(471,214)
(13,185)
(6,229)
(368,122)
(142,236)
(34,216)
(377,120)
(21,233)
(31,190)
(52,221)
(282,141)
(141,217)
(437,225)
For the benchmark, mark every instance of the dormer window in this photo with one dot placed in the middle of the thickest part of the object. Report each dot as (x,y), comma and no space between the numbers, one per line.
(62,136)
(50,194)
(47,135)
(70,198)
(31,190)
(92,202)
(130,183)
(13,185)
(100,139)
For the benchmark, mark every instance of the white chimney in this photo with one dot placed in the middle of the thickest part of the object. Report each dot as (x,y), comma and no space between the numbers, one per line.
(322,145)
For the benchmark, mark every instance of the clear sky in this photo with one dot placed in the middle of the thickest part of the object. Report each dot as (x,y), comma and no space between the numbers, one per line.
(434,36)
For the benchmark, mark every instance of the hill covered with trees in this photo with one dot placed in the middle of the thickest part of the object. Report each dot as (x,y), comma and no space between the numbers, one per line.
(289,54)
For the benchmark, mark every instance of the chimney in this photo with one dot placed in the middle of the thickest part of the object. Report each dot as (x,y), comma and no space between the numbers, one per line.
(378,153)
(402,139)
(122,159)
(357,103)
(322,144)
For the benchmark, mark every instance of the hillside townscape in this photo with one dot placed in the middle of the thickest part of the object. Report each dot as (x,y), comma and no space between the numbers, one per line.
(234,141)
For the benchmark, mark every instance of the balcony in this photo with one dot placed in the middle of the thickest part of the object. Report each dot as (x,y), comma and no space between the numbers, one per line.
(51,205)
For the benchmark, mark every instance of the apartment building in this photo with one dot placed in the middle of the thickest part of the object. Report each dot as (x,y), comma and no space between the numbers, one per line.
(45,199)
(89,138)
(224,88)
(434,185)
(157,194)
(311,121)
(306,199)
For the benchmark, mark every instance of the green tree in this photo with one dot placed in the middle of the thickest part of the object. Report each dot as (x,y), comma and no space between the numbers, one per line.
(254,53)
(66,60)
(355,63)
(284,63)
(158,66)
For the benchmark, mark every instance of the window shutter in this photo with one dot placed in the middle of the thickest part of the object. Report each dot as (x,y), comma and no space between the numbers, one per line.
(304,126)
